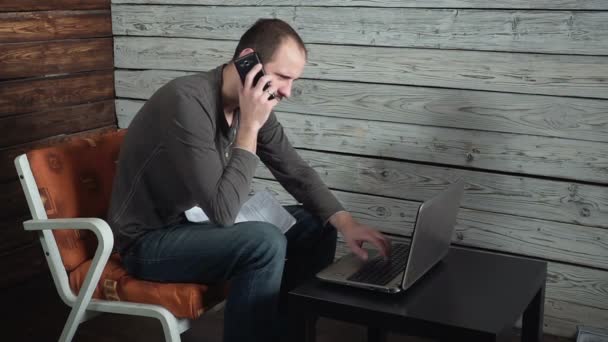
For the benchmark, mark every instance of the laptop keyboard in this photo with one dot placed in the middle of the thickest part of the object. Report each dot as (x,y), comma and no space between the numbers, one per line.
(378,271)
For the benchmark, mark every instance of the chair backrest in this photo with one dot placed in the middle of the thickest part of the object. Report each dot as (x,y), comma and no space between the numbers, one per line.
(74,179)
(70,179)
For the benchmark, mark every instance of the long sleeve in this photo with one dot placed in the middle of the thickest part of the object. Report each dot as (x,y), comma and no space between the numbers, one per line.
(220,191)
(294,174)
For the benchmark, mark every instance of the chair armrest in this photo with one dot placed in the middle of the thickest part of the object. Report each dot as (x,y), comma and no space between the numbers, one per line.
(105,241)
(96,225)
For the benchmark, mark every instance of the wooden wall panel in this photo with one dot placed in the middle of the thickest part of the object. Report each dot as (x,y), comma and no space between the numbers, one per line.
(569,32)
(33,59)
(509,4)
(30,95)
(504,152)
(515,195)
(38,5)
(561,117)
(35,126)
(53,25)
(56,79)
(400,98)
(478,70)
(475,228)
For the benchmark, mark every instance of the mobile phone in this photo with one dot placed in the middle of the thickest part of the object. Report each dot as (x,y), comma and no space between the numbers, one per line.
(245,63)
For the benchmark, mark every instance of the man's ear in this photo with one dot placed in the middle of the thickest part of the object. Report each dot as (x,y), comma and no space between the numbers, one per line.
(246,51)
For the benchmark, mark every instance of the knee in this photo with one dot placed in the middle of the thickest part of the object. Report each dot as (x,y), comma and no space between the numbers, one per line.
(266,239)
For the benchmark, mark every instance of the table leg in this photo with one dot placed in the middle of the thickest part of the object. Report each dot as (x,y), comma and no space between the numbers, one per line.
(302,327)
(532,321)
(376,335)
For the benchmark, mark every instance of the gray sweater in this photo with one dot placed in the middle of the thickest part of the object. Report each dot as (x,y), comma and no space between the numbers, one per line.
(178,153)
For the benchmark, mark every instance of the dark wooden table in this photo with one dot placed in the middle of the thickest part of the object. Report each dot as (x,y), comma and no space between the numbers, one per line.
(469,296)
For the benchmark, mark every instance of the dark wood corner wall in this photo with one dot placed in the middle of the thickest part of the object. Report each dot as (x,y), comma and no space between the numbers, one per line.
(56,80)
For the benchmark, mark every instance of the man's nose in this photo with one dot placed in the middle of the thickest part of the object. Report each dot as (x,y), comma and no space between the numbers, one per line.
(285,89)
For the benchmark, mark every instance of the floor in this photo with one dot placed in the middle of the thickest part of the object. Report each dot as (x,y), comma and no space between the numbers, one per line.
(32,311)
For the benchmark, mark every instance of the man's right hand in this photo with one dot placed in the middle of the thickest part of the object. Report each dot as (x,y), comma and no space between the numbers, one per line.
(255,107)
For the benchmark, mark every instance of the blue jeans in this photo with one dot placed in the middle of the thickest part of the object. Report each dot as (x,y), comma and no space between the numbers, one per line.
(260,262)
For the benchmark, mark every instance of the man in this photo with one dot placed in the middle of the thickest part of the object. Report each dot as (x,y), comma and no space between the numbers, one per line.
(197,141)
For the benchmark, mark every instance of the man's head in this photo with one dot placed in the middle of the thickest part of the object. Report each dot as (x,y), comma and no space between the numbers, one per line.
(265,37)
(280,48)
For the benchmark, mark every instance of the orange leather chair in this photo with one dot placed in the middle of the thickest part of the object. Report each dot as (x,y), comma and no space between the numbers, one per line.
(68,190)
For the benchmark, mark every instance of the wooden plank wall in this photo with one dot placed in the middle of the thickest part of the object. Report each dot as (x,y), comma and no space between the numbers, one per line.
(401,97)
(56,79)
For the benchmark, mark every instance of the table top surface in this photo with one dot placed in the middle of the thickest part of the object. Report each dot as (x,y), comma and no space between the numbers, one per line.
(470,289)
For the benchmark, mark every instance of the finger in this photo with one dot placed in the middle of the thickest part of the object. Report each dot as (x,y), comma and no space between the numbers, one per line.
(381,238)
(251,74)
(270,90)
(377,242)
(386,242)
(274,101)
(360,252)
(262,83)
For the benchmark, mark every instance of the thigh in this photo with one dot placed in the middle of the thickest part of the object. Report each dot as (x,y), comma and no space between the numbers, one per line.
(204,253)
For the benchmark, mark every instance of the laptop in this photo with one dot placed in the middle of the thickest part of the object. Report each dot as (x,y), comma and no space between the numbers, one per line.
(430,243)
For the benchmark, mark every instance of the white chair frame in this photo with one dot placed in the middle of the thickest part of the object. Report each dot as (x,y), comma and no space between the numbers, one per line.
(83,306)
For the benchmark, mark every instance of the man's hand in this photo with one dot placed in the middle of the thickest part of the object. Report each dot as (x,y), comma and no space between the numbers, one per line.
(254,104)
(355,234)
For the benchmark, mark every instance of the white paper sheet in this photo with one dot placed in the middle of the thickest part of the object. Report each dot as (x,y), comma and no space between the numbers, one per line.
(260,207)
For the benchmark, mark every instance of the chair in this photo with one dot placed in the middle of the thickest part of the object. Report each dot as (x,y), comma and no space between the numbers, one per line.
(68,188)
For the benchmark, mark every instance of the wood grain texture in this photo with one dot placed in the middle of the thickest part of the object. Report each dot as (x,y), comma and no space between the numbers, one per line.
(191,21)
(568,32)
(515,31)
(126,110)
(562,201)
(584,76)
(475,228)
(7,155)
(54,25)
(567,202)
(507,4)
(523,154)
(36,58)
(574,296)
(37,5)
(30,95)
(562,117)
(30,127)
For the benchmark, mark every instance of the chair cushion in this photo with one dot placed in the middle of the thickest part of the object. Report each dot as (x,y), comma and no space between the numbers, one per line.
(182,300)
(75,180)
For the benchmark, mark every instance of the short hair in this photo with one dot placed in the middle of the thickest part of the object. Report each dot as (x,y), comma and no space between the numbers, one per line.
(265,37)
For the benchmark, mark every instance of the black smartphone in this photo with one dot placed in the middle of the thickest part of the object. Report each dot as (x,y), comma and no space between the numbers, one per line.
(245,64)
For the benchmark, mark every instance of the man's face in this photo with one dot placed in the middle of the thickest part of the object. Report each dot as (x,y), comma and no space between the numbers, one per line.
(286,66)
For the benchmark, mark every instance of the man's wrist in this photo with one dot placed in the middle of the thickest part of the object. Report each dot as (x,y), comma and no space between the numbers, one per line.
(246,138)
(341,220)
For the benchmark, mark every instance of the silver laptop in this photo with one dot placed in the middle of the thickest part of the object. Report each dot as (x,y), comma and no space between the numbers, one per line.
(430,242)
